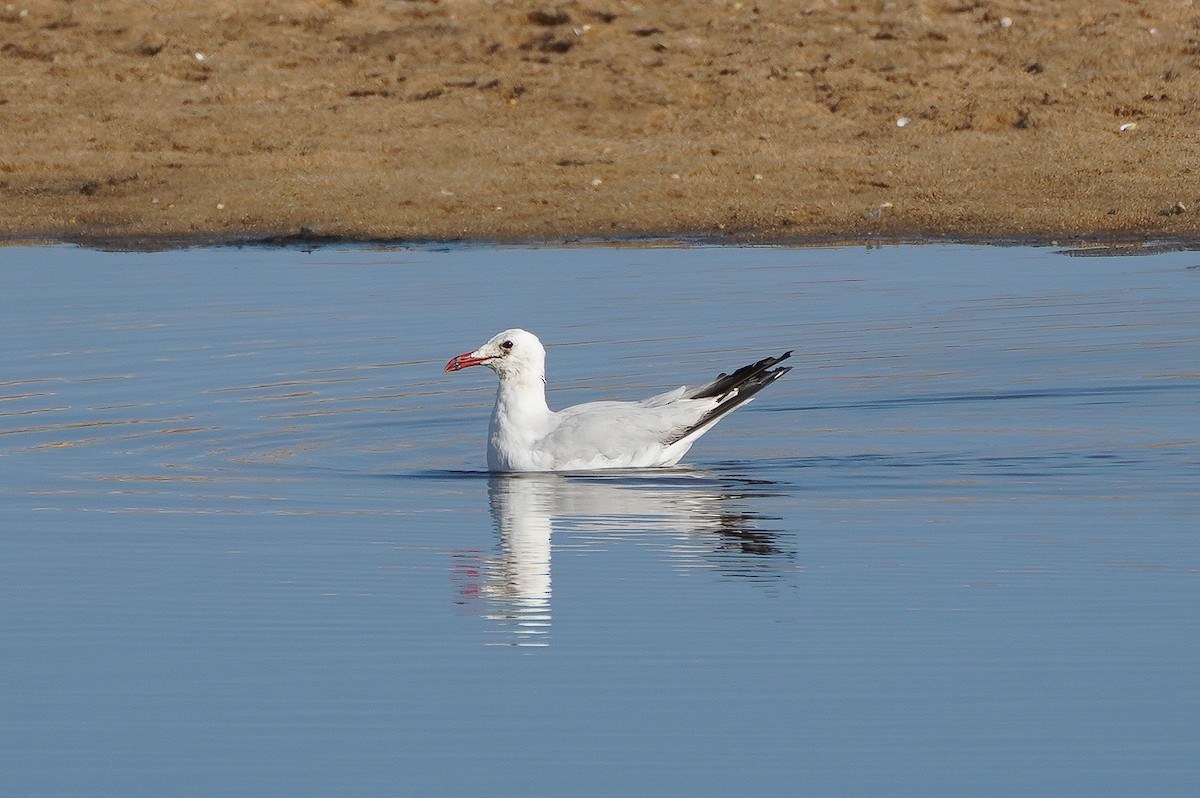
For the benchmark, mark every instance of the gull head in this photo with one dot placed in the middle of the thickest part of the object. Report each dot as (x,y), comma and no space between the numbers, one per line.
(512,353)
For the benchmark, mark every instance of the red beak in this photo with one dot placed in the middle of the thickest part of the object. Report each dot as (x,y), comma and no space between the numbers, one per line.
(463,361)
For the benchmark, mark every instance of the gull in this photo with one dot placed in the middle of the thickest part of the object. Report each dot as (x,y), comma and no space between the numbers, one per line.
(526,435)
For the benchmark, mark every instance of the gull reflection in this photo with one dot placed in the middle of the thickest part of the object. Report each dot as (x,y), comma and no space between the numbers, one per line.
(696,519)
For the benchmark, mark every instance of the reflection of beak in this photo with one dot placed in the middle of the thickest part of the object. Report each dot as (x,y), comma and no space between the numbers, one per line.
(463,361)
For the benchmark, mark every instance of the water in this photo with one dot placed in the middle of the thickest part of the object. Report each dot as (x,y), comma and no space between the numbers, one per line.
(248,547)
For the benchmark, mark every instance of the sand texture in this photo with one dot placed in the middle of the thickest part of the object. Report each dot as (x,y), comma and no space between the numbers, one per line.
(516,121)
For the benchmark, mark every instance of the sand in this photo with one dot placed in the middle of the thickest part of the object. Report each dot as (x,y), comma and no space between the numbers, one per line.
(180,122)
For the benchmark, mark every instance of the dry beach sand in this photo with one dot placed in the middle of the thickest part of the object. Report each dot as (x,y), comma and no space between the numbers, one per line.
(175,121)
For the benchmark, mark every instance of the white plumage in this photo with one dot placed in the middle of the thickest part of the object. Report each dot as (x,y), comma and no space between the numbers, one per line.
(526,435)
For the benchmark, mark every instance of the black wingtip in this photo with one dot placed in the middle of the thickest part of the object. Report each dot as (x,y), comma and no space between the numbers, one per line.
(724,383)
(743,384)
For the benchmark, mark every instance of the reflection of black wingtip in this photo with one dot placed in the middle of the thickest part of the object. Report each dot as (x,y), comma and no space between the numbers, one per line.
(737,534)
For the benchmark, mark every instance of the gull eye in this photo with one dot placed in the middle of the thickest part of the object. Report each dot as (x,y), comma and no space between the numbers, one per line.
(507,345)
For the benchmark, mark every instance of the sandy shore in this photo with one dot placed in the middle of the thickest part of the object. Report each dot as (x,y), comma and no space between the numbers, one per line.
(516,121)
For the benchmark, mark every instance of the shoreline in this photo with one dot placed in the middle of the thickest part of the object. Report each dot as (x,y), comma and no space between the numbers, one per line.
(1098,244)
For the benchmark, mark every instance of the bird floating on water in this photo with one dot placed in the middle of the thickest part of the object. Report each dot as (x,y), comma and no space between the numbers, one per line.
(526,435)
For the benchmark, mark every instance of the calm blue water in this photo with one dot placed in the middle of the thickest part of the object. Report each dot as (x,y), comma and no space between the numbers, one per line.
(247,546)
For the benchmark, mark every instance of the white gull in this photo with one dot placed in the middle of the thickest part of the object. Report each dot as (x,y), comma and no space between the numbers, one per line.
(526,435)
